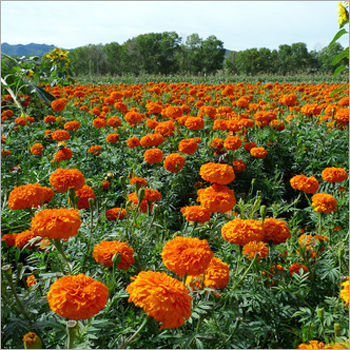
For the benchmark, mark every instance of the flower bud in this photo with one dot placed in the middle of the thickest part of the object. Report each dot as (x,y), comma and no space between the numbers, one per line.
(32,341)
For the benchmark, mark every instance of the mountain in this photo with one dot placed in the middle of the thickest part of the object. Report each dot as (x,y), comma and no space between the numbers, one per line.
(26,50)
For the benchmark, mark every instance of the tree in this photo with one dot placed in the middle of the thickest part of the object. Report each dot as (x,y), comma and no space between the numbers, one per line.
(213,54)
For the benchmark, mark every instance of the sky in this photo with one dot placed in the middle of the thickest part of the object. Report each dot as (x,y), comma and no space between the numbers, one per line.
(239,24)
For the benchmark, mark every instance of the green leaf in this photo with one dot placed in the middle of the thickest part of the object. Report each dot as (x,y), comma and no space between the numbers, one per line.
(337,36)
(338,70)
(339,57)
(337,90)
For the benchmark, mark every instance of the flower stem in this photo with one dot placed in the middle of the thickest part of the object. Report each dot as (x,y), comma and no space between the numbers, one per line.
(130,339)
(245,273)
(57,243)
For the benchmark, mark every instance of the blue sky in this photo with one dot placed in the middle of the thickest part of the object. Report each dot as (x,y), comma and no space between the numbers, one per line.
(239,24)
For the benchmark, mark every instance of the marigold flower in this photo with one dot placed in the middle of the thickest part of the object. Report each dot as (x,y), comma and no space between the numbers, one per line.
(188,146)
(194,123)
(37,149)
(99,123)
(29,196)
(32,341)
(133,117)
(275,230)
(341,116)
(187,255)
(31,281)
(9,238)
(150,140)
(217,143)
(344,293)
(249,145)
(21,121)
(296,267)
(304,183)
(221,174)
(138,181)
(114,121)
(239,231)
(313,344)
(238,165)
(95,149)
(133,142)
(334,174)
(151,123)
(105,184)
(196,213)
(84,194)
(216,198)
(56,223)
(112,138)
(153,155)
(232,143)
(258,152)
(62,154)
(77,297)
(174,162)
(166,128)
(23,238)
(255,248)
(115,213)
(217,274)
(104,252)
(63,179)
(60,135)
(72,125)
(162,297)
(324,203)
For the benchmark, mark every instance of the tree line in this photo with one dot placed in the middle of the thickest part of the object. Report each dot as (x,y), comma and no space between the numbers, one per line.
(167,53)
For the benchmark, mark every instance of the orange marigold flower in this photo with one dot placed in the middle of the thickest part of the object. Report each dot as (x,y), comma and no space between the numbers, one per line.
(344,293)
(221,174)
(275,230)
(258,152)
(133,117)
(153,155)
(60,135)
(217,274)
(277,124)
(324,203)
(37,149)
(84,194)
(62,179)
(313,344)
(112,138)
(334,174)
(296,267)
(162,297)
(150,196)
(217,143)
(29,196)
(232,143)
(188,146)
(154,108)
(217,198)
(166,128)
(255,248)
(23,238)
(249,145)
(304,183)
(151,123)
(77,297)
(104,252)
(31,281)
(63,154)
(187,255)
(174,162)
(133,142)
(150,140)
(342,116)
(95,149)
(72,125)
(238,165)
(115,213)
(194,123)
(56,223)
(99,123)
(196,213)
(239,231)
(138,181)
(9,238)
(59,105)
(21,121)
(114,121)
(105,184)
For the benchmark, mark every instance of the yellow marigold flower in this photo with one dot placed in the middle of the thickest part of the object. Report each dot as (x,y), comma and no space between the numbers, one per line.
(187,255)
(162,297)
(275,230)
(324,203)
(77,297)
(221,174)
(56,223)
(32,341)
(240,231)
(344,293)
(255,247)
(333,174)
(104,251)
(196,213)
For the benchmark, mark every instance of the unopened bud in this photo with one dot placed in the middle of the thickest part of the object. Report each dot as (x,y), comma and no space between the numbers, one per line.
(263,211)
(320,313)
(336,329)
(32,341)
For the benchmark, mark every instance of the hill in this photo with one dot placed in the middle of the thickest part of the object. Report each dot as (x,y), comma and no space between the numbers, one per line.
(31,49)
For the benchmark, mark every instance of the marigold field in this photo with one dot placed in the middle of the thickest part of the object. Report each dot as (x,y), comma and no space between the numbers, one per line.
(176,215)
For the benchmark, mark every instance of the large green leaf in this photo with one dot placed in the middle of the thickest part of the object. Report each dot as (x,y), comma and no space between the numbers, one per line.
(339,57)
(338,70)
(337,36)
(43,94)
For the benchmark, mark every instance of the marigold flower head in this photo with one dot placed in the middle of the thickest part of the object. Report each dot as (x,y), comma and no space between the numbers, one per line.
(138,181)
(196,213)
(32,341)
(258,152)
(153,155)
(162,297)
(255,248)
(174,162)
(60,135)
(166,128)
(221,174)
(62,154)
(23,238)
(194,123)
(72,125)
(99,123)
(341,116)
(9,238)
(115,213)
(29,196)
(133,117)
(334,174)
(304,183)
(37,149)
(63,179)
(187,255)
(313,344)
(84,194)
(95,149)
(240,231)
(77,297)
(151,123)
(133,142)
(296,267)
(112,138)
(31,281)
(59,105)
(188,146)
(217,198)
(232,143)
(324,203)
(150,140)
(56,223)
(344,293)
(114,121)
(104,252)
(238,165)
(217,274)
(275,230)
